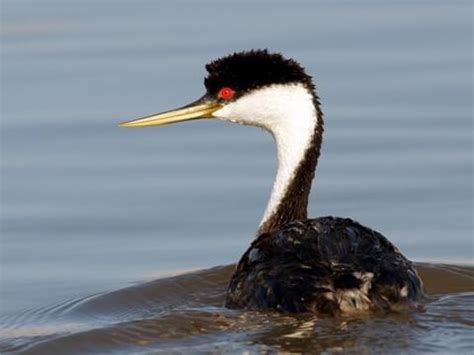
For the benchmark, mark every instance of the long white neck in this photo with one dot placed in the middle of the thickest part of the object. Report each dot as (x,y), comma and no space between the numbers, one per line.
(289,113)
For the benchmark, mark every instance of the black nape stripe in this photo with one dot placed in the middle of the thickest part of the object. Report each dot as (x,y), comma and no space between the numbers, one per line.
(245,71)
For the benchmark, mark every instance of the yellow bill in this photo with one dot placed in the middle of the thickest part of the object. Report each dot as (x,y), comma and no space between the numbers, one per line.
(196,110)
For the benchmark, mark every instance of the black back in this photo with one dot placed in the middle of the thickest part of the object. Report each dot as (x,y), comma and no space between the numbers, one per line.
(309,266)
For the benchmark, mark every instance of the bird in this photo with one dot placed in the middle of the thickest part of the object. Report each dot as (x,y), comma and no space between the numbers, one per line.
(326,265)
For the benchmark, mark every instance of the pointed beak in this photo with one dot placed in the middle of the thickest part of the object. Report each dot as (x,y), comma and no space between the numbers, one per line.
(202,108)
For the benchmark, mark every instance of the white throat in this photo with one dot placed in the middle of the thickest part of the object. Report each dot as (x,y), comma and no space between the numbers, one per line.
(288,112)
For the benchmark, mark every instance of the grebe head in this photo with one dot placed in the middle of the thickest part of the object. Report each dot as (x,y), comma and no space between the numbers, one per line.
(254,88)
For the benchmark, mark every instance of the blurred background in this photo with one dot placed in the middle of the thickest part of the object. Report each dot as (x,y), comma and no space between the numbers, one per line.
(88,207)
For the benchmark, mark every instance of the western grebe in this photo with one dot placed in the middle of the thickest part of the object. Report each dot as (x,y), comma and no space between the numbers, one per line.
(326,265)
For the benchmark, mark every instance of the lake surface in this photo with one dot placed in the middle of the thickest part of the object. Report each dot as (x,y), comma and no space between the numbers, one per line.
(91,214)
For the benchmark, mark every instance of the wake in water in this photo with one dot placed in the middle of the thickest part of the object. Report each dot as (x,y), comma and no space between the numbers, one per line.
(186,312)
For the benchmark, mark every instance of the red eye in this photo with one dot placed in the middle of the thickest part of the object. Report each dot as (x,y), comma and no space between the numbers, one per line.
(225,93)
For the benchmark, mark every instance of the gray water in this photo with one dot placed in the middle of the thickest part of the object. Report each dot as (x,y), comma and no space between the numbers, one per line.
(88,208)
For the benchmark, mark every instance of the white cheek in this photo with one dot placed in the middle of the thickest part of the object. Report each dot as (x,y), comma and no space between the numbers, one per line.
(270,107)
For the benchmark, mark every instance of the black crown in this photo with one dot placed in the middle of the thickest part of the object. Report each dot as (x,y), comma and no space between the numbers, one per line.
(249,70)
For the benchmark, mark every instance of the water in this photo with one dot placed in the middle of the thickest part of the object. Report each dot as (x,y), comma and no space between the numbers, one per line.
(89,209)
(185,314)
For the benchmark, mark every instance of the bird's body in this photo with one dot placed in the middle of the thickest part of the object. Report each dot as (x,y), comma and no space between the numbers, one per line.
(324,265)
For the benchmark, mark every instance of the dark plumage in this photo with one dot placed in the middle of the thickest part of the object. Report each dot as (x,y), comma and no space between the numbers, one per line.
(324,265)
